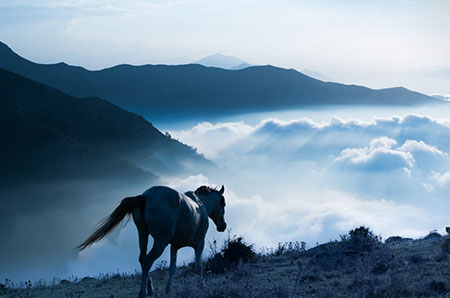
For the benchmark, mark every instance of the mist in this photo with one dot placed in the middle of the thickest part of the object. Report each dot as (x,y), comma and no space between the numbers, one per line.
(44,222)
(287,177)
(300,179)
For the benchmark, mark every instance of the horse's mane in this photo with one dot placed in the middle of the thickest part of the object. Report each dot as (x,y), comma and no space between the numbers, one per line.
(204,190)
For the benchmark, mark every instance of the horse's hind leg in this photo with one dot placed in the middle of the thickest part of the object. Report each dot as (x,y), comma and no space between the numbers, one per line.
(147,262)
(173,266)
(143,242)
(198,262)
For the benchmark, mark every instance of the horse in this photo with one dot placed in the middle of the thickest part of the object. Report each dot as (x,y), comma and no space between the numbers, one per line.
(171,217)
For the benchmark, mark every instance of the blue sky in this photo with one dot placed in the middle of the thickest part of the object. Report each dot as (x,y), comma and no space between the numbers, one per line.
(379,43)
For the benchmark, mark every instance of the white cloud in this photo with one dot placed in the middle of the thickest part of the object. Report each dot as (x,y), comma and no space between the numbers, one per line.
(389,158)
(306,181)
(189,183)
(378,159)
(320,217)
(441,179)
(212,139)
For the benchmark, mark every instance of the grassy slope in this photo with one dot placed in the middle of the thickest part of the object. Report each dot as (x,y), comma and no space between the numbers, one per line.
(401,269)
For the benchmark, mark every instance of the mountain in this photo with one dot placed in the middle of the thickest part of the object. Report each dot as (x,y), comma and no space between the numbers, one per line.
(317,75)
(192,89)
(222,61)
(48,134)
(441,97)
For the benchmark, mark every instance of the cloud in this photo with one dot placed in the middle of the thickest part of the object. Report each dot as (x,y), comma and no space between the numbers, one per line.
(391,159)
(296,180)
(441,179)
(378,157)
(211,139)
(424,139)
(312,218)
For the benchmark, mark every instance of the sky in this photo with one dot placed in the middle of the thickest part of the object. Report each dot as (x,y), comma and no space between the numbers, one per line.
(377,43)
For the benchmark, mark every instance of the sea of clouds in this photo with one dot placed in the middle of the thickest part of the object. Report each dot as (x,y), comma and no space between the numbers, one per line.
(302,180)
(390,173)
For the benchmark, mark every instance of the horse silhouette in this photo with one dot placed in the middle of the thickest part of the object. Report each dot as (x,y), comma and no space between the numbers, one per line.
(171,217)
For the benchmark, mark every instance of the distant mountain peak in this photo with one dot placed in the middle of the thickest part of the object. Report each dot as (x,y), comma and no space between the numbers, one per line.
(223,61)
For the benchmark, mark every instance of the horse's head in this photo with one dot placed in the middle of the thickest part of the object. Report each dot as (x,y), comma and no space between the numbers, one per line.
(218,214)
(215,204)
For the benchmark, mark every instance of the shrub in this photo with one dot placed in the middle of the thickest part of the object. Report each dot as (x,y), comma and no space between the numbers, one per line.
(216,264)
(363,235)
(361,239)
(235,250)
(290,248)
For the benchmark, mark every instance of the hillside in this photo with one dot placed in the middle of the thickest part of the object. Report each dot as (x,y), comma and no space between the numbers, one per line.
(192,89)
(46,133)
(399,267)
(64,162)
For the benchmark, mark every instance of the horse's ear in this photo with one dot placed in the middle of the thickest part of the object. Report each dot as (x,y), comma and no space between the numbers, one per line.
(222,190)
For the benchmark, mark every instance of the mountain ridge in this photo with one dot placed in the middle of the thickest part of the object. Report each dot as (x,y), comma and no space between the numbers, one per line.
(45,132)
(193,88)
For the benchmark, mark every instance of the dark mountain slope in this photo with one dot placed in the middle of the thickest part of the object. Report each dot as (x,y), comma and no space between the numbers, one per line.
(47,133)
(194,88)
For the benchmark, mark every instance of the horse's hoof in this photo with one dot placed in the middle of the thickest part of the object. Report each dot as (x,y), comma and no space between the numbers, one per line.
(150,291)
(201,284)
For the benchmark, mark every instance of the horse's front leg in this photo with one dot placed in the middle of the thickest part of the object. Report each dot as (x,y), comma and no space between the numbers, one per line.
(198,262)
(173,266)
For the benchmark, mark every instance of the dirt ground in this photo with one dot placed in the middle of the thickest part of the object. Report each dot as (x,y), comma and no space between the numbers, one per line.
(396,268)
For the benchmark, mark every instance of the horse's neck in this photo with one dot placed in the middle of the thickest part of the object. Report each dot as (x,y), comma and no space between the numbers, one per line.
(201,200)
(207,202)
(193,196)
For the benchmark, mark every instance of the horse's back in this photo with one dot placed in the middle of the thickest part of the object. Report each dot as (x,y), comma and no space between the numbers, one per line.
(163,195)
(161,210)
(169,213)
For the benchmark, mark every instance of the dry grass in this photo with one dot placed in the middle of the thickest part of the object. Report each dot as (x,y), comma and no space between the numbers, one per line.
(413,268)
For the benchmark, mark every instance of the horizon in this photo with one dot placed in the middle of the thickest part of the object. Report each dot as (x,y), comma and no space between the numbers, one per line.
(311,73)
(378,44)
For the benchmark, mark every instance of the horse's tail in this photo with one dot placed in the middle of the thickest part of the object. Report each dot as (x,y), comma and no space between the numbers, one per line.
(109,223)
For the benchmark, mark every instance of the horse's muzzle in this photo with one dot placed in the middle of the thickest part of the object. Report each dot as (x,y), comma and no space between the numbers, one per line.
(222,228)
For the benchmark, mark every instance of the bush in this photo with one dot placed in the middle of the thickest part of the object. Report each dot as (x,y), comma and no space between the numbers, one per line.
(290,248)
(361,238)
(234,251)
(216,264)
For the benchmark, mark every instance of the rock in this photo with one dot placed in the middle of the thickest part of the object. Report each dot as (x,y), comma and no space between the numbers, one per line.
(433,236)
